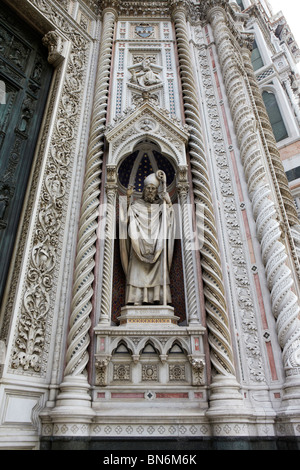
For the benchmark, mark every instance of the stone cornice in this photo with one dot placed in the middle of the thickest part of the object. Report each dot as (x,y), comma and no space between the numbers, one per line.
(144,9)
(92,5)
(160,8)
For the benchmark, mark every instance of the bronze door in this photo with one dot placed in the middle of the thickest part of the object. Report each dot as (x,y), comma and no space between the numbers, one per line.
(25,77)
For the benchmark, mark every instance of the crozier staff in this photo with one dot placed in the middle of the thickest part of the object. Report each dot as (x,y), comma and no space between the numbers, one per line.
(147,252)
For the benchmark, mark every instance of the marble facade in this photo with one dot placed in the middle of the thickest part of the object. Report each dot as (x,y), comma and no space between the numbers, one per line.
(170,84)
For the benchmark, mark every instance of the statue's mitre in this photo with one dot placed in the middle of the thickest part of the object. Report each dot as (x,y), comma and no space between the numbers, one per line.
(151,179)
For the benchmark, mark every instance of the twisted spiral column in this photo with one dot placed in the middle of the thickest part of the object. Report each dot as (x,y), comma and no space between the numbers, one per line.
(295,230)
(217,320)
(182,189)
(111,191)
(285,305)
(284,195)
(78,338)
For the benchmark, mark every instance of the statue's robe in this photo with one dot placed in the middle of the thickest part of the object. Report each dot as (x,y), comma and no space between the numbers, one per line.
(142,253)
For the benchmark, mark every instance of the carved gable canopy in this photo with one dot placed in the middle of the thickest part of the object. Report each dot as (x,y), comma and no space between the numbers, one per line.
(151,123)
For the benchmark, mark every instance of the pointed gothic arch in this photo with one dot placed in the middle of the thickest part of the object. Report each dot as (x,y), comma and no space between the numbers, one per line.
(147,123)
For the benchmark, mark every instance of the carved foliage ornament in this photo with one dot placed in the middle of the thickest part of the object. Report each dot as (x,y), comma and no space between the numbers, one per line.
(161,8)
(31,333)
(241,282)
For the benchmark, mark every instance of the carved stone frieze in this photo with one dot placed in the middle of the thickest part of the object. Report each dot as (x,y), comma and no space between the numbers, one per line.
(157,8)
(161,365)
(149,372)
(144,8)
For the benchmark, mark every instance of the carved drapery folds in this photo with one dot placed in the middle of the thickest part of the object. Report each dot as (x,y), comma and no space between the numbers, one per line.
(284,302)
(217,320)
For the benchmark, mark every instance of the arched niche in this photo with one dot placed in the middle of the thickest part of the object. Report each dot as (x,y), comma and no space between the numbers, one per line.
(146,158)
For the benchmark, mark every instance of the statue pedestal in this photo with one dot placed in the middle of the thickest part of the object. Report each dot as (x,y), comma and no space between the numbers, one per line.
(152,315)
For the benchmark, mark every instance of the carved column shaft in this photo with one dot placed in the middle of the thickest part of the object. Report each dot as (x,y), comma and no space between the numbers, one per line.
(182,189)
(217,319)
(285,198)
(107,274)
(284,302)
(78,337)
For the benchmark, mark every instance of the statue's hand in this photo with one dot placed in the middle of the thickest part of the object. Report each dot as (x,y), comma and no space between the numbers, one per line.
(160,175)
(129,191)
(166,198)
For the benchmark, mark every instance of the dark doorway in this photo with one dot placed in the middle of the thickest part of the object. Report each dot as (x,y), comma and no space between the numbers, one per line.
(25,77)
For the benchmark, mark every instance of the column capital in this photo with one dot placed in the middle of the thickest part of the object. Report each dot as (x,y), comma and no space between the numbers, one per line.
(246,40)
(208,6)
(112,5)
(202,10)
(182,181)
(178,5)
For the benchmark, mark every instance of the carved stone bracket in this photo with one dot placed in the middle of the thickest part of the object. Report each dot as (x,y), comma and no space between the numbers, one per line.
(101,365)
(198,365)
(56,46)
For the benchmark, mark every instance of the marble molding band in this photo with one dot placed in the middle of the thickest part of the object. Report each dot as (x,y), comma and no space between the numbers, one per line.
(78,337)
(216,309)
(279,279)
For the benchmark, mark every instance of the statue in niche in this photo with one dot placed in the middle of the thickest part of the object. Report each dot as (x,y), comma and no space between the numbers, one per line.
(147,243)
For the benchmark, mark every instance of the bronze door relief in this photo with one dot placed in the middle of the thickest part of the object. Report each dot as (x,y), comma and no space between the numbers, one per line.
(25,76)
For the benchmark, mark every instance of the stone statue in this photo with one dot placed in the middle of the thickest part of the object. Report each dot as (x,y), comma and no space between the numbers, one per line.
(147,251)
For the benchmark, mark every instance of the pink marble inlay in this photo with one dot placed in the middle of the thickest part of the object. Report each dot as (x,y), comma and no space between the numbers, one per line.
(127,395)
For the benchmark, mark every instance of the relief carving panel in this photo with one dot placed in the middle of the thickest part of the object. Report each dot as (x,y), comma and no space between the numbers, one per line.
(32,335)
